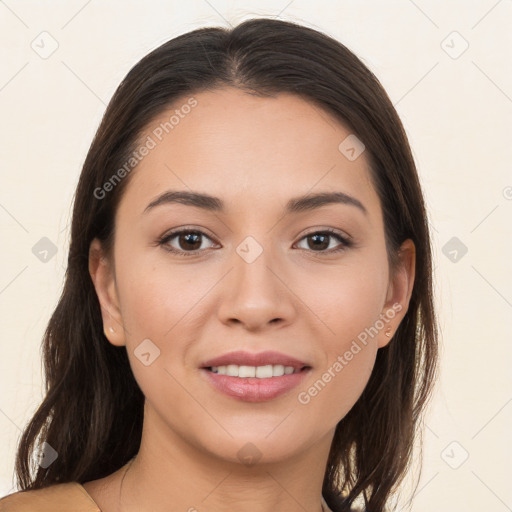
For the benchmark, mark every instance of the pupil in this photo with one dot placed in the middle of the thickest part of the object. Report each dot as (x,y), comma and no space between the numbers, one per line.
(187,239)
(322,244)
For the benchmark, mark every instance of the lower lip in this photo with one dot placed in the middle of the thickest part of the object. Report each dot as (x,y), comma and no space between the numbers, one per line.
(252,389)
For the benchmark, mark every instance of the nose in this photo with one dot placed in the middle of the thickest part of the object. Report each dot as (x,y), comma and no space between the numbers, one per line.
(256,295)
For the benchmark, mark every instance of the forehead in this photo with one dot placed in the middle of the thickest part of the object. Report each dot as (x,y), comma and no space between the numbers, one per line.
(247,149)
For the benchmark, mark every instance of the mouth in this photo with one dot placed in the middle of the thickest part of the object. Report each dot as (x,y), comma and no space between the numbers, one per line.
(258,386)
(254,377)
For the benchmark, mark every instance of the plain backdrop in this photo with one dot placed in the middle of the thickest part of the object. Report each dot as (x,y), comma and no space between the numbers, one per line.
(446,67)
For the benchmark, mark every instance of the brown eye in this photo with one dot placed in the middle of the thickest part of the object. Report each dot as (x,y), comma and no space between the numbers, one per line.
(319,241)
(188,242)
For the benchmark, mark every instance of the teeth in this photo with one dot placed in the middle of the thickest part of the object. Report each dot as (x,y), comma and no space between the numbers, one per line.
(260,372)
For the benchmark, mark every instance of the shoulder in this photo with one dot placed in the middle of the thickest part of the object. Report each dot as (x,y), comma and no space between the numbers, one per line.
(54,498)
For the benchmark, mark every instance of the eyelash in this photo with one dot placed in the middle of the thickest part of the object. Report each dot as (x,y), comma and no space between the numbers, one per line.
(163,241)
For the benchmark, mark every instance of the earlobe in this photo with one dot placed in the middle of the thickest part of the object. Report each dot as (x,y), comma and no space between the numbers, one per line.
(400,288)
(103,277)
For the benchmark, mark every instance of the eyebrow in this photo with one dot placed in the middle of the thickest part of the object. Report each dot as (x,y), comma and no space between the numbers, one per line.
(295,205)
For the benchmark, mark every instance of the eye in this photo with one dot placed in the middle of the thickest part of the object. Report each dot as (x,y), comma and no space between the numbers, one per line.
(189,242)
(320,240)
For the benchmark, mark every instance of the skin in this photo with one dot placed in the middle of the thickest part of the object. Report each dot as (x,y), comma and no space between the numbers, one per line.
(255,154)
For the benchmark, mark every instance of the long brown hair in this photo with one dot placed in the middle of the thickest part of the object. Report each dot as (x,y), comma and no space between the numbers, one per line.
(92,412)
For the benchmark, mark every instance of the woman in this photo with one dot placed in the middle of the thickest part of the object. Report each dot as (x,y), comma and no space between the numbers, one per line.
(247,319)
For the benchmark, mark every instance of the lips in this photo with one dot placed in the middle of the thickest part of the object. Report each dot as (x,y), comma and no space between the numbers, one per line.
(243,358)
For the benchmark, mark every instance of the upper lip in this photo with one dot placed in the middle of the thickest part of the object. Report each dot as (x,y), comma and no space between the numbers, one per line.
(242,358)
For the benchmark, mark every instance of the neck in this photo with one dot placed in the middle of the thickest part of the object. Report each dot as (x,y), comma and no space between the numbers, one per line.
(169,473)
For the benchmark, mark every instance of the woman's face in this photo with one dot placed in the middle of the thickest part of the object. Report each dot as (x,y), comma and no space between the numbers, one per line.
(253,271)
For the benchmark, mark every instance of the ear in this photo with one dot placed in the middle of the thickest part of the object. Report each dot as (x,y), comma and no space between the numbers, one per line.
(399,292)
(102,274)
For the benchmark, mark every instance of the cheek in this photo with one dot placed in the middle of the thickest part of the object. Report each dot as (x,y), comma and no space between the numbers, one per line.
(349,357)
(161,303)
(348,298)
(157,302)
(156,297)
(349,303)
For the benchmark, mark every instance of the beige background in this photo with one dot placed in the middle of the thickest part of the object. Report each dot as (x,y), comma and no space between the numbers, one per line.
(456,105)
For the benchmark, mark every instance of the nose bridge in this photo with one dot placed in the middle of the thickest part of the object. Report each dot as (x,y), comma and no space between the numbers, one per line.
(254,264)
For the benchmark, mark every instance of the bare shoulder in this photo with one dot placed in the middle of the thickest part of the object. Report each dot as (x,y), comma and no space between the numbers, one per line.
(54,498)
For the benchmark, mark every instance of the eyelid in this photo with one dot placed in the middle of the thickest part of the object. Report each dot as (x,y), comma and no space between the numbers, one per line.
(332,231)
